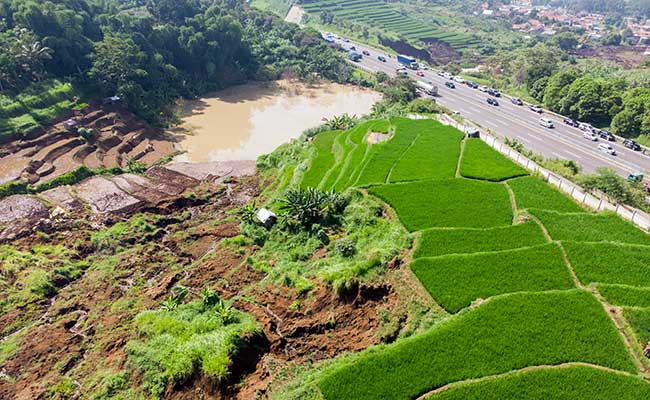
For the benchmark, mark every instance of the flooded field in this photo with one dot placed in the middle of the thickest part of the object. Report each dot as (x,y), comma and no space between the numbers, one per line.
(244,122)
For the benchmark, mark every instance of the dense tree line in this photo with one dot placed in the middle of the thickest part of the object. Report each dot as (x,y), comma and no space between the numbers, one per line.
(152,51)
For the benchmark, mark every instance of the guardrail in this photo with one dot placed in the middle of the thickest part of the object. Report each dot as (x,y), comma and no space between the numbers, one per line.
(596,200)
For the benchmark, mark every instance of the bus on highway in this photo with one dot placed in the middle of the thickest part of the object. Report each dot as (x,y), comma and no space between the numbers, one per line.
(407,61)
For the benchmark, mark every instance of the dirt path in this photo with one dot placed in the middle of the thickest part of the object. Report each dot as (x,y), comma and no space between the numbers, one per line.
(295,15)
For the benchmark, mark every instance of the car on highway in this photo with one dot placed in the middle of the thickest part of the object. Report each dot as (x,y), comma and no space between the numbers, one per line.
(535,108)
(440,73)
(419,73)
(571,122)
(494,92)
(472,133)
(402,72)
(517,101)
(472,84)
(492,102)
(346,40)
(607,149)
(365,53)
(586,127)
(353,47)
(450,85)
(631,144)
(483,89)
(459,79)
(547,123)
(381,58)
(590,135)
(606,135)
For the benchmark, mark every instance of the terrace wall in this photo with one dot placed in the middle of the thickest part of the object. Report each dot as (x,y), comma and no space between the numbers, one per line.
(595,200)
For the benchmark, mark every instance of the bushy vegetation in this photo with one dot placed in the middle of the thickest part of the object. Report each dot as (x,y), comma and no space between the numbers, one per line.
(576,382)
(454,281)
(584,227)
(508,333)
(533,192)
(448,203)
(111,239)
(480,161)
(624,295)
(610,262)
(438,242)
(202,336)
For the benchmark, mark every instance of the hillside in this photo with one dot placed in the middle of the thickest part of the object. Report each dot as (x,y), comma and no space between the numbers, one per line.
(435,251)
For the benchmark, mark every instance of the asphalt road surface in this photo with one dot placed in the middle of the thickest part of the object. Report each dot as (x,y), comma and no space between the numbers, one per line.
(513,121)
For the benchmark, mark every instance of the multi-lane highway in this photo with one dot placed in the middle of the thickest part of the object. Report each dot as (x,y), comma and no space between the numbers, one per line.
(513,121)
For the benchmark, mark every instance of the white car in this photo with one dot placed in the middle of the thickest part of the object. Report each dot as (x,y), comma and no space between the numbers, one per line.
(459,79)
(607,149)
(483,89)
(547,123)
(585,127)
(590,135)
(402,71)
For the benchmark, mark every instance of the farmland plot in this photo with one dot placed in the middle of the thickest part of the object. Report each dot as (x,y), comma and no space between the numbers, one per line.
(533,192)
(610,263)
(507,333)
(585,227)
(480,161)
(624,295)
(639,318)
(322,161)
(576,383)
(455,281)
(448,203)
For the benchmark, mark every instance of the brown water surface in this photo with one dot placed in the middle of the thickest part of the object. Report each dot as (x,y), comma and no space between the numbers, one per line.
(244,122)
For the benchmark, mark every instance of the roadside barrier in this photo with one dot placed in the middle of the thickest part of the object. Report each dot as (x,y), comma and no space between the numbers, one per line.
(594,200)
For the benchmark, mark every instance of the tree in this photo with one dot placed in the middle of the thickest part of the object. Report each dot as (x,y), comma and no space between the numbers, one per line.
(116,61)
(567,41)
(558,86)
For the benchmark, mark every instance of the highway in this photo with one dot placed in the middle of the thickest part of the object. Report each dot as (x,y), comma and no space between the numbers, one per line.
(513,121)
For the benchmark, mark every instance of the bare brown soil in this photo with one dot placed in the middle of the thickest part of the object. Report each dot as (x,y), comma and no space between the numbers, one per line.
(626,56)
(87,324)
(118,136)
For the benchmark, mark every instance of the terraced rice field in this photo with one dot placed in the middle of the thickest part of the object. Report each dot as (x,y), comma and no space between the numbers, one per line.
(527,272)
(381,15)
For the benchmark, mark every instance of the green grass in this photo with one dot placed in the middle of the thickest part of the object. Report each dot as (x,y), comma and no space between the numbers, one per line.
(639,318)
(576,383)
(480,161)
(323,159)
(454,281)
(357,156)
(180,343)
(610,263)
(533,192)
(624,295)
(434,155)
(448,203)
(438,242)
(508,333)
(386,154)
(586,227)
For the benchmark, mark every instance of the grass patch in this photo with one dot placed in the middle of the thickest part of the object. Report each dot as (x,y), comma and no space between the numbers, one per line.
(438,242)
(586,227)
(508,333)
(533,192)
(481,161)
(639,318)
(610,263)
(455,281)
(448,203)
(623,295)
(434,155)
(576,382)
(322,161)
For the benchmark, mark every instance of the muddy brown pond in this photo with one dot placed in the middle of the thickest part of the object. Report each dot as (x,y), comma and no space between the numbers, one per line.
(244,122)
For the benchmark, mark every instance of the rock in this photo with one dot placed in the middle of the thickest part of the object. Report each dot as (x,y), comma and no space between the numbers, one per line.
(214,170)
(62,197)
(104,196)
(20,207)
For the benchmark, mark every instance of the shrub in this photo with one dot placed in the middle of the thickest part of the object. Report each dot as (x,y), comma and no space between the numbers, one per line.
(345,247)
(312,206)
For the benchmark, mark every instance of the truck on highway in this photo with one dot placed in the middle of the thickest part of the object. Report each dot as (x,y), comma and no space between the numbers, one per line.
(354,56)
(407,61)
(428,88)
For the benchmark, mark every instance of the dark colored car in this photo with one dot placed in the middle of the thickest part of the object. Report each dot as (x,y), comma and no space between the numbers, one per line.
(606,135)
(631,144)
(494,92)
(492,101)
(472,84)
(570,122)
(381,58)
(517,102)
(353,47)
(450,85)
(365,53)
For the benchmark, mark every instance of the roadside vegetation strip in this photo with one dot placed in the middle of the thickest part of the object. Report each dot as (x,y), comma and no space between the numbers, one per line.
(589,227)
(639,319)
(573,382)
(438,242)
(434,155)
(323,159)
(625,295)
(533,192)
(388,153)
(481,161)
(459,203)
(455,281)
(506,333)
(610,263)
